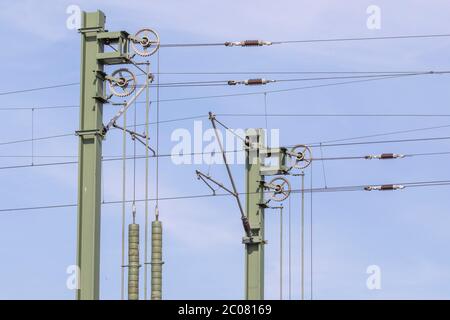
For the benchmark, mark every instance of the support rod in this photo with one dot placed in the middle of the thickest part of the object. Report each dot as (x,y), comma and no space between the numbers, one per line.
(281,253)
(302,235)
(123,109)
(147,133)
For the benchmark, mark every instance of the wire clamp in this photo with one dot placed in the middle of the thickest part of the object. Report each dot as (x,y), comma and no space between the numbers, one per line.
(211,116)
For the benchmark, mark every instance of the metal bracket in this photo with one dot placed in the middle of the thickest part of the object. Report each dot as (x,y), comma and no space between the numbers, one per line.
(99,74)
(99,97)
(127,266)
(102,99)
(278,155)
(157,263)
(253,240)
(93,133)
(92,29)
(263,205)
(120,55)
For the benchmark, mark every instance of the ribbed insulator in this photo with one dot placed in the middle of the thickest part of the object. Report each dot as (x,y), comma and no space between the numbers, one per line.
(156,260)
(251,43)
(387,156)
(253,82)
(133,261)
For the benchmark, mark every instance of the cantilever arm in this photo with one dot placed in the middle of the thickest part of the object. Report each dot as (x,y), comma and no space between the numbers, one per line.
(136,136)
(245,222)
(205,177)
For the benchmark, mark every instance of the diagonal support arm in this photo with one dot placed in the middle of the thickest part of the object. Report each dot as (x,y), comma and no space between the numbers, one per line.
(125,107)
(205,177)
(244,218)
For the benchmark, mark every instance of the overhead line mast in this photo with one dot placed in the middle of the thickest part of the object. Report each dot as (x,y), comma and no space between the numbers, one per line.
(90,150)
(122,83)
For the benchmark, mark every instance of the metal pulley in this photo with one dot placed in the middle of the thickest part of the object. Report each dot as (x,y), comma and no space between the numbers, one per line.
(122,82)
(145,42)
(280,189)
(301,156)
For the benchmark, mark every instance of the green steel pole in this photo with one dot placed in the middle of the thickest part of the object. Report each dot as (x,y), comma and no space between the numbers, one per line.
(90,150)
(254,248)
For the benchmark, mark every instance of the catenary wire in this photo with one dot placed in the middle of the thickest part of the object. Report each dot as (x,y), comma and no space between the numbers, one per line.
(250,93)
(105,159)
(223,83)
(298,41)
(247,115)
(437,183)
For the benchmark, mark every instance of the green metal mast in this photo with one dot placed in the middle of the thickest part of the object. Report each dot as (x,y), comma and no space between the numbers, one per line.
(252,217)
(90,151)
(254,247)
(94,37)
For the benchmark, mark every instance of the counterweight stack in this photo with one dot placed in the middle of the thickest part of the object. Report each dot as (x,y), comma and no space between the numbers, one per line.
(133,261)
(156,260)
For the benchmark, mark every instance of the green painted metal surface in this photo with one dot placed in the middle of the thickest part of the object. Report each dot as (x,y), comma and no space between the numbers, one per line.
(156,262)
(254,248)
(90,150)
(133,261)
(118,47)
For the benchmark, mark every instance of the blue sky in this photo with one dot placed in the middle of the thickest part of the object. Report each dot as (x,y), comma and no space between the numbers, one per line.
(403,232)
